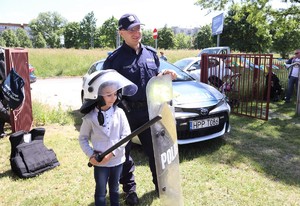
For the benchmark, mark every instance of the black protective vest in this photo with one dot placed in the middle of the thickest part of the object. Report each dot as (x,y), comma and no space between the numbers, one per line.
(28,159)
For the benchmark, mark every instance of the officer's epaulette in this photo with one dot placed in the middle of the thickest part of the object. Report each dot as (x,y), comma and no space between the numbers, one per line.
(112,55)
(151,49)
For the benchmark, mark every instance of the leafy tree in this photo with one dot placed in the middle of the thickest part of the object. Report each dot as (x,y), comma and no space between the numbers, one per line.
(50,25)
(204,38)
(242,35)
(88,30)
(23,38)
(253,18)
(183,41)
(2,42)
(10,38)
(166,39)
(39,41)
(108,32)
(71,34)
(222,4)
(285,31)
(148,38)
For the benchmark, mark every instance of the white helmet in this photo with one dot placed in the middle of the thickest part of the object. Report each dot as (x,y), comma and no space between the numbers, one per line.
(96,81)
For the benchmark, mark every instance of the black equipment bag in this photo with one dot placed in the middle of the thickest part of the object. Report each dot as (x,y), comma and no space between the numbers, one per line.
(30,158)
(13,89)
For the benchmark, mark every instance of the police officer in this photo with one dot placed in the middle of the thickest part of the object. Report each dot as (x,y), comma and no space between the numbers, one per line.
(138,63)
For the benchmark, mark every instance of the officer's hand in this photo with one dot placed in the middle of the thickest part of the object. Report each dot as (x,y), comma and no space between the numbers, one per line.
(171,72)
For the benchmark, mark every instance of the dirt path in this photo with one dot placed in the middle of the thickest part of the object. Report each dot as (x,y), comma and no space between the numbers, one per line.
(58,91)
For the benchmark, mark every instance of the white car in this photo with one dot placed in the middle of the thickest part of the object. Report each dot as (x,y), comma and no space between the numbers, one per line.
(201,111)
(217,69)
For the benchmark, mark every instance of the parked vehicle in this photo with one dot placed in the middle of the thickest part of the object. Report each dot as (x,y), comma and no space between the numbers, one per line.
(217,69)
(215,50)
(32,76)
(201,111)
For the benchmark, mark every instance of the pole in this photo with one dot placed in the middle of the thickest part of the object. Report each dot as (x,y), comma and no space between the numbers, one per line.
(218,39)
(156,43)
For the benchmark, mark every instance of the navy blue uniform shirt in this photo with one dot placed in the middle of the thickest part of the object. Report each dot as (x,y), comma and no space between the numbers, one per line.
(138,68)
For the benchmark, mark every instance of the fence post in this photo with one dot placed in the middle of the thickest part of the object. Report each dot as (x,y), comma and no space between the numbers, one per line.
(204,68)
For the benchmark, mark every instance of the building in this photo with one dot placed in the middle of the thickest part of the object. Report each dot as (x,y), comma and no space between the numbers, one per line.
(186,31)
(14,27)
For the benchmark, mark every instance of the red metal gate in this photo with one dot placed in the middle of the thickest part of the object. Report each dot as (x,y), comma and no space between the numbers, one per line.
(244,78)
(20,118)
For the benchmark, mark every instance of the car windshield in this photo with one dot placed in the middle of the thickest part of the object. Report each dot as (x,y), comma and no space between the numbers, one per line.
(182,63)
(209,51)
(181,75)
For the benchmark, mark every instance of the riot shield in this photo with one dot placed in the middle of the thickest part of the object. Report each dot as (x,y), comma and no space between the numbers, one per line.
(164,137)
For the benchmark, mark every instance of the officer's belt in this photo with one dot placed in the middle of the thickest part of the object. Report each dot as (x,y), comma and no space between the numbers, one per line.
(137,104)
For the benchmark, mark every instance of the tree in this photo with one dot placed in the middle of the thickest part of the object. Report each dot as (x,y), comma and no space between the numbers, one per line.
(183,41)
(88,30)
(50,25)
(204,38)
(242,35)
(108,32)
(254,18)
(23,38)
(71,34)
(39,41)
(2,42)
(10,38)
(166,39)
(222,4)
(148,38)
(285,31)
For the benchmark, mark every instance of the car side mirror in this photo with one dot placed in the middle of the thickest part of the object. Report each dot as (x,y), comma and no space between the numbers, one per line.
(192,68)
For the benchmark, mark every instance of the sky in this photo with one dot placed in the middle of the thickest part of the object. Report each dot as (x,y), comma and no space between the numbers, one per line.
(153,13)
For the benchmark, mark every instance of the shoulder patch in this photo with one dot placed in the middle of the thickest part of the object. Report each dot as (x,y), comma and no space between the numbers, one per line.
(150,48)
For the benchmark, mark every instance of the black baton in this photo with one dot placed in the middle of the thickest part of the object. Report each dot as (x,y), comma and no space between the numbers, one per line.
(139,130)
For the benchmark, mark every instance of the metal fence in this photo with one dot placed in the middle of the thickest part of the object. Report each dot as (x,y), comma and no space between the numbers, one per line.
(247,80)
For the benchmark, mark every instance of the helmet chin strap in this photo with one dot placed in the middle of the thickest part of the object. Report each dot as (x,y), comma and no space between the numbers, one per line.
(100,116)
(102,103)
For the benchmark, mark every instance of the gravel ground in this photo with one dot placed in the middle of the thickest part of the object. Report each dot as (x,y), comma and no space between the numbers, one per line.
(55,91)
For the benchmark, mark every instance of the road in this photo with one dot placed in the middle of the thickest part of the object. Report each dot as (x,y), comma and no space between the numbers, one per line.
(58,91)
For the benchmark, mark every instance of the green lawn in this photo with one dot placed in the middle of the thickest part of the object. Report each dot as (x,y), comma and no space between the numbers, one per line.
(258,163)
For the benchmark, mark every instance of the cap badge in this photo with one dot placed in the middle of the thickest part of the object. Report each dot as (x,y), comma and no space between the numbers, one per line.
(131,18)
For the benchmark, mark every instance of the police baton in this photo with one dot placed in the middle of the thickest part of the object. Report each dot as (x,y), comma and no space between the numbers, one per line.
(139,130)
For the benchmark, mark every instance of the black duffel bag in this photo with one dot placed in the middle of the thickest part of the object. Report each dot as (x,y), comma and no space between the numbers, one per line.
(29,156)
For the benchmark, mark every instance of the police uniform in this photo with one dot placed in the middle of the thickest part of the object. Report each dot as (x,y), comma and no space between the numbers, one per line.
(138,68)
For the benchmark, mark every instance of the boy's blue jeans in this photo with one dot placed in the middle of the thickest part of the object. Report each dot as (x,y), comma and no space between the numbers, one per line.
(110,175)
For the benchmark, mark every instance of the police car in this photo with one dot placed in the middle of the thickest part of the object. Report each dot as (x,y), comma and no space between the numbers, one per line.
(201,111)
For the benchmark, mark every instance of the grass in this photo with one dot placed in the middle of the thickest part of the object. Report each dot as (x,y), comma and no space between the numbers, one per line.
(75,62)
(258,163)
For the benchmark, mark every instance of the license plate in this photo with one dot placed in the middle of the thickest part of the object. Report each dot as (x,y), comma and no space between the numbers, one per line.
(203,123)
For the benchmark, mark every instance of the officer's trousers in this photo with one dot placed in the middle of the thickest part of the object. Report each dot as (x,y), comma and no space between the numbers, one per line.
(136,119)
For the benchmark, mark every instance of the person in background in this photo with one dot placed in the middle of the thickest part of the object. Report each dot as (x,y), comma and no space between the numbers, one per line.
(4,111)
(138,63)
(105,124)
(293,75)
(162,56)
